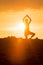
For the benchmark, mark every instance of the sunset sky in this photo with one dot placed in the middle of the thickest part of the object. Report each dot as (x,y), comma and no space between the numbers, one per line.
(12,13)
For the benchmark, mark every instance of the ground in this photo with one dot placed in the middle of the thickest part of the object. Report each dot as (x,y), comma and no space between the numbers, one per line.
(18,51)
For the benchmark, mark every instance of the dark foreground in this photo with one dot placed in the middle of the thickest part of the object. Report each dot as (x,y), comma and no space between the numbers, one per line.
(18,51)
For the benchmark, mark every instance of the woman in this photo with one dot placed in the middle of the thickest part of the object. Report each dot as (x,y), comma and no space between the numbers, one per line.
(27,23)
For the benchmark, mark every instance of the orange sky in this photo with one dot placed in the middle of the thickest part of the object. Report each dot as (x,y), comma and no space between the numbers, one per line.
(12,13)
(18,5)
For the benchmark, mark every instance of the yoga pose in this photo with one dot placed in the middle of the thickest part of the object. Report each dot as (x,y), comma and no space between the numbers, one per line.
(27,21)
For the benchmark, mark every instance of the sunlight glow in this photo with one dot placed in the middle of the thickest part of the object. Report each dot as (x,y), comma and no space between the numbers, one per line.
(21,26)
(12,22)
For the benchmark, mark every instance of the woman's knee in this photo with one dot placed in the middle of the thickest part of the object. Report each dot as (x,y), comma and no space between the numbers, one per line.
(33,33)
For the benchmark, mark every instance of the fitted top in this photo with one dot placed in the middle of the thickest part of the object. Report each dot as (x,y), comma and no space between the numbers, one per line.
(26,25)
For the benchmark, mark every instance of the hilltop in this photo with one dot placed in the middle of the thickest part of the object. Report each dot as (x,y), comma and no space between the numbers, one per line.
(18,51)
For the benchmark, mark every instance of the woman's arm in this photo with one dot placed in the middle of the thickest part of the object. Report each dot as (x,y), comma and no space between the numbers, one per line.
(24,18)
(29,18)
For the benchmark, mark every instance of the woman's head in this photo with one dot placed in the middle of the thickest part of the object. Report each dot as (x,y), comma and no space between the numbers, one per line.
(26,20)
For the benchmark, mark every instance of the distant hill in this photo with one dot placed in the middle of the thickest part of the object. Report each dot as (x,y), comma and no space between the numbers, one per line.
(18,51)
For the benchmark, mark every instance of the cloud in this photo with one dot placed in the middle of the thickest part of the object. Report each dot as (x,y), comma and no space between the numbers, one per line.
(17,5)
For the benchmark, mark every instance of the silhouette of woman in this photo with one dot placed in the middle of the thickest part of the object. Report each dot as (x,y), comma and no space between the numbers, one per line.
(27,22)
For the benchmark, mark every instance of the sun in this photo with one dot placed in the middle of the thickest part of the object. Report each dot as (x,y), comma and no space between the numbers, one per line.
(21,26)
